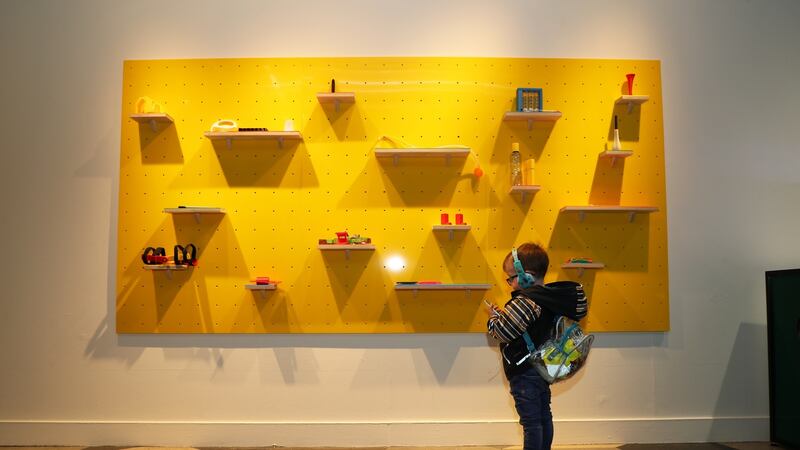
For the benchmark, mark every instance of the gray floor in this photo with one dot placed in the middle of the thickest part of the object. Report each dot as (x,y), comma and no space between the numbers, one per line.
(693,446)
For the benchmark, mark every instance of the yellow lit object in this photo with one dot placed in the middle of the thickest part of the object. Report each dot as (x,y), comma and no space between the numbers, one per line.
(146,105)
(527,172)
(280,200)
(224,125)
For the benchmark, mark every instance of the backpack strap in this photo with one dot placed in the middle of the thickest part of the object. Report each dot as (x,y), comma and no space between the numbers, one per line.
(529,342)
(566,334)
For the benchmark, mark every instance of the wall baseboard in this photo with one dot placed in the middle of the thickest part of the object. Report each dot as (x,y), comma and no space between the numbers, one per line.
(365,434)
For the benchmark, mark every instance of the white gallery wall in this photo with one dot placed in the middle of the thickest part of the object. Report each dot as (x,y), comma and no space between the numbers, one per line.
(732,127)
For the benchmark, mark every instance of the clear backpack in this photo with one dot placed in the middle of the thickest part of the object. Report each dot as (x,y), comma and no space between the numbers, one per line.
(563,355)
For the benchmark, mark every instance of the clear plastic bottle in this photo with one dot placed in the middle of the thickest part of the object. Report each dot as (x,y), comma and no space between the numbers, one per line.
(516,165)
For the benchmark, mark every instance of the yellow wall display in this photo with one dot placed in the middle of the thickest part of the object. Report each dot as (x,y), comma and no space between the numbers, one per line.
(279,195)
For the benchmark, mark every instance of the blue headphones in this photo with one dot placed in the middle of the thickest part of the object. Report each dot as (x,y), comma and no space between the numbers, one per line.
(524,279)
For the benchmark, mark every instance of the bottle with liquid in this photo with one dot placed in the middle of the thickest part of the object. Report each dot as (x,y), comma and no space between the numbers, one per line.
(516,165)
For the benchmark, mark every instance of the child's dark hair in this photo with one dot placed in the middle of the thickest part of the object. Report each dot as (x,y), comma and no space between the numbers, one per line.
(533,257)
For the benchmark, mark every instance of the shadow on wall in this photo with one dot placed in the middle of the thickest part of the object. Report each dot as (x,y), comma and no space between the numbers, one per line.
(747,366)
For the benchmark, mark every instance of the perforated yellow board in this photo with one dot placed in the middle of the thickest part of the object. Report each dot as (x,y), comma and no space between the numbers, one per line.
(281,197)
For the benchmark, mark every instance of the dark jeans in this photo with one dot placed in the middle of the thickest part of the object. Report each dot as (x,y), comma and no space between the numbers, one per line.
(532,400)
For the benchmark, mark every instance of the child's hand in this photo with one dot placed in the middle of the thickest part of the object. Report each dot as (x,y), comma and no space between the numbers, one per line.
(491,308)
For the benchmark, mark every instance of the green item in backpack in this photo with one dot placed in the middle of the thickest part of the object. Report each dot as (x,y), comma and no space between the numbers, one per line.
(564,354)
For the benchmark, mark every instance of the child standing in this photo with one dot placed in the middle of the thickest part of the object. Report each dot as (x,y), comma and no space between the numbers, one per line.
(533,307)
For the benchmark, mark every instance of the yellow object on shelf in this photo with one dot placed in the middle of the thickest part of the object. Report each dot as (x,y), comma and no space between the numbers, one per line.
(224,125)
(146,105)
(527,172)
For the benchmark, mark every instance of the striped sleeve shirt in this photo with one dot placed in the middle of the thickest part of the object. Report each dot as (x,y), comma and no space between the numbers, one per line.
(511,322)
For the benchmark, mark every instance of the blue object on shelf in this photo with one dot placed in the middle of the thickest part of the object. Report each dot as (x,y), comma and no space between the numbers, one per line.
(529,99)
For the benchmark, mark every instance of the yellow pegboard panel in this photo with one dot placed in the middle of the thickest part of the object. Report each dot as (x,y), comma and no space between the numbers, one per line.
(280,200)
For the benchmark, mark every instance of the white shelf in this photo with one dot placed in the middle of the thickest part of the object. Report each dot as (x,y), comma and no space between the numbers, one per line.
(230,136)
(261,287)
(152,119)
(451,229)
(525,189)
(167,268)
(632,100)
(616,154)
(337,98)
(582,266)
(397,153)
(531,117)
(443,287)
(194,210)
(466,287)
(630,210)
(346,248)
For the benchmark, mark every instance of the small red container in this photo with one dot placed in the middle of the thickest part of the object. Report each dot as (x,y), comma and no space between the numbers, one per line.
(459,219)
(445,219)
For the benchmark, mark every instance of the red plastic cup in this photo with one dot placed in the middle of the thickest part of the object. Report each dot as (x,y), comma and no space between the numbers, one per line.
(445,219)
(630,82)
(459,219)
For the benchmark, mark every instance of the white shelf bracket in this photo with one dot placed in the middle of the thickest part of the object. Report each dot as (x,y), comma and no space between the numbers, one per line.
(415,293)
(336,105)
(228,143)
(581,216)
(347,254)
(447,160)
(580,271)
(280,142)
(153,125)
(450,234)
(263,293)
(395,159)
(523,196)
(630,107)
(631,216)
(169,274)
(197,217)
(467,292)
(613,160)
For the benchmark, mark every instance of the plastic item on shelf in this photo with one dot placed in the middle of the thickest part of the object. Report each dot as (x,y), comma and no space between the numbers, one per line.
(529,99)
(429,282)
(343,238)
(224,125)
(288,125)
(516,169)
(445,219)
(183,257)
(459,219)
(617,145)
(576,260)
(630,82)
(527,172)
(264,281)
(146,105)
(154,256)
